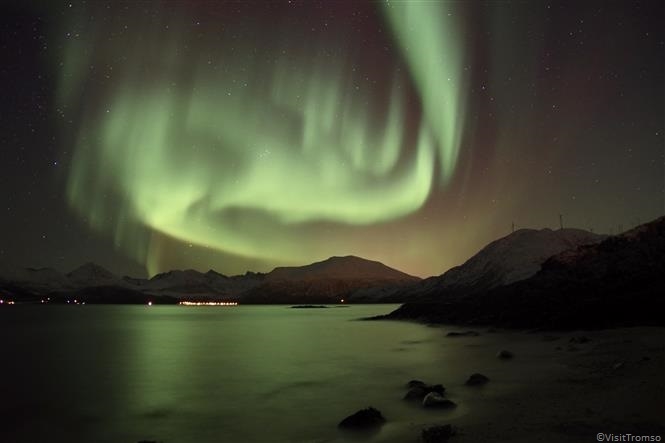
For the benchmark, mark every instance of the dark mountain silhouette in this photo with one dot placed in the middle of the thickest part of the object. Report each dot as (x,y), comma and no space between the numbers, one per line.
(26,281)
(512,258)
(349,267)
(91,274)
(328,281)
(325,281)
(617,282)
(211,283)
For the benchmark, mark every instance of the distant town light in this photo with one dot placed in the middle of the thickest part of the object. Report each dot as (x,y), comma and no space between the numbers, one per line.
(208,303)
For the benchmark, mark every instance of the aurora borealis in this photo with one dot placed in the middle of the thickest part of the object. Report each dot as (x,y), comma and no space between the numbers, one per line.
(242,136)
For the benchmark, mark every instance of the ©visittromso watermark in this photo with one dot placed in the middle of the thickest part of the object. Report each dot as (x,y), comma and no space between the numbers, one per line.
(601,436)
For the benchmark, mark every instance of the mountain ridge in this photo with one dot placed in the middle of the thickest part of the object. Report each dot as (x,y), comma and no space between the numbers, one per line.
(511,258)
(343,267)
(328,279)
(617,282)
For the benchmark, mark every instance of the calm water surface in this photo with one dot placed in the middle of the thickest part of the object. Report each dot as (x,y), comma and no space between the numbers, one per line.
(208,374)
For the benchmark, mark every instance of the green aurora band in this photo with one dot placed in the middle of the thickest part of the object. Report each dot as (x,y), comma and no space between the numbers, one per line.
(242,158)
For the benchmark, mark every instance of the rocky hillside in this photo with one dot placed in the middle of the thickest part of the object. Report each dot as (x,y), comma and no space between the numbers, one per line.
(512,258)
(617,282)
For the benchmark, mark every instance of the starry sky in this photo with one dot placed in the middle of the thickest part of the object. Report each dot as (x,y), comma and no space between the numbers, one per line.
(148,136)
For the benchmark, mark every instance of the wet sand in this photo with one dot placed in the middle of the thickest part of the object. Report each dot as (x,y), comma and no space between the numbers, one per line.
(553,390)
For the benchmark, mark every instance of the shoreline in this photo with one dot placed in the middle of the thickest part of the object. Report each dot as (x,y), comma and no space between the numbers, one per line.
(553,389)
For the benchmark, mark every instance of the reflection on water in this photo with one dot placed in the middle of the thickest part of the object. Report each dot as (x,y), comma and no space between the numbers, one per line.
(205,374)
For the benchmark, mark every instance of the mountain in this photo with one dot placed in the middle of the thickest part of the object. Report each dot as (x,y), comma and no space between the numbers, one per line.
(617,282)
(32,280)
(349,267)
(208,284)
(91,274)
(327,281)
(512,258)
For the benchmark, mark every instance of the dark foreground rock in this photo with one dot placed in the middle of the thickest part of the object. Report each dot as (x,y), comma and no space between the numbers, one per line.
(477,380)
(415,384)
(363,420)
(436,400)
(437,434)
(418,390)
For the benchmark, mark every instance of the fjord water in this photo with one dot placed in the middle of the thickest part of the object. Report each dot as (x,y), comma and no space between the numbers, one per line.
(206,374)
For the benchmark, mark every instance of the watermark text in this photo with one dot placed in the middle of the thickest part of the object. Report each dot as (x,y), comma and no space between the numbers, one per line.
(601,436)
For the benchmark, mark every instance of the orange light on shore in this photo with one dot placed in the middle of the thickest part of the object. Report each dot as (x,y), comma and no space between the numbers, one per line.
(208,303)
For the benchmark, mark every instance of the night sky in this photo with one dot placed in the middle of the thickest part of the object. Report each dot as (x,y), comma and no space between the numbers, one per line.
(148,136)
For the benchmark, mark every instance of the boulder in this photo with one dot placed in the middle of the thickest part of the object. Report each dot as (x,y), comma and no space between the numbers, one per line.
(476,380)
(437,434)
(362,420)
(436,400)
(439,389)
(504,355)
(418,390)
(417,393)
(415,383)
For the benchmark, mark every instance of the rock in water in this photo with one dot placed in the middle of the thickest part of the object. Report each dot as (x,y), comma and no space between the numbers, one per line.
(439,389)
(436,400)
(505,355)
(477,380)
(417,393)
(415,384)
(418,390)
(437,434)
(363,419)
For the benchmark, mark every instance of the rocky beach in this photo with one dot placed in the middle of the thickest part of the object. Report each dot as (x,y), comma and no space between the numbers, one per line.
(557,387)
